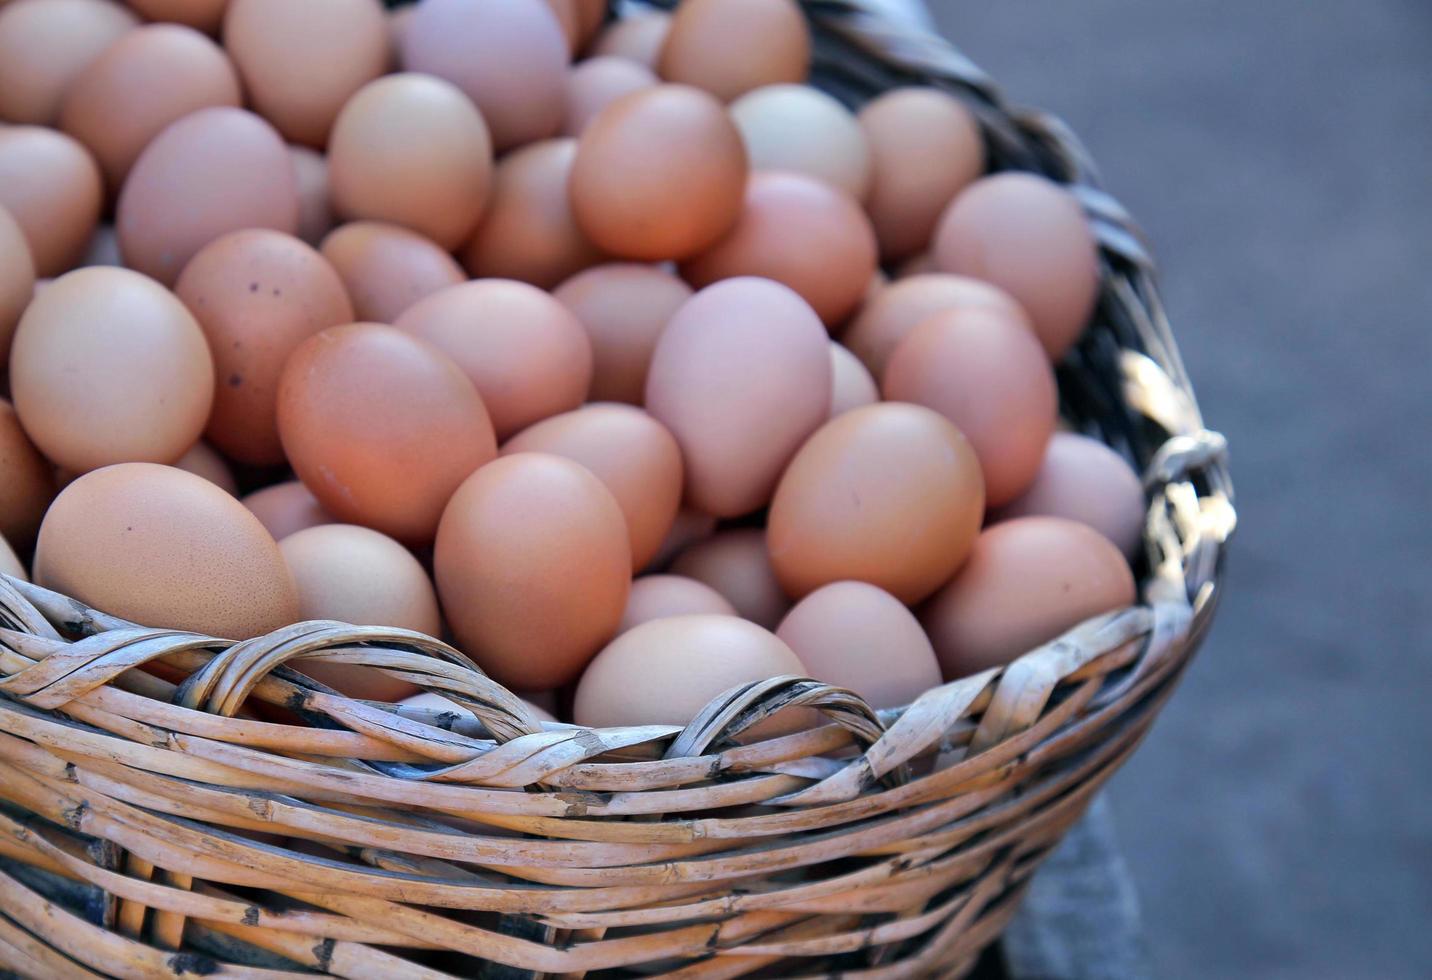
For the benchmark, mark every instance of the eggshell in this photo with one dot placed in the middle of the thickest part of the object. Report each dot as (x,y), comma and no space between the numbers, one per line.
(44,45)
(1084,480)
(315,215)
(508,56)
(665,671)
(689,527)
(729,47)
(356,575)
(804,130)
(1028,236)
(205,15)
(862,638)
(108,367)
(627,450)
(740,376)
(525,352)
(925,147)
(889,494)
(17,280)
(162,547)
(1026,582)
(598,82)
(202,460)
(737,565)
(9,563)
(660,596)
(533,567)
(659,174)
(637,38)
(287,508)
(27,481)
(50,185)
(301,61)
(566,14)
(985,372)
(624,308)
(528,232)
(214,171)
(141,83)
(381,427)
(851,385)
(799,231)
(411,150)
(387,269)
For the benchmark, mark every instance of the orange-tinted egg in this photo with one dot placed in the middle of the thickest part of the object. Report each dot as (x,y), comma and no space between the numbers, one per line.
(44,45)
(27,481)
(598,82)
(286,508)
(660,596)
(202,14)
(737,565)
(315,214)
(851,385)
(202,460)
(637,38)
(17,280)
(729,47)
(802,129)
(387,269)
(50,185)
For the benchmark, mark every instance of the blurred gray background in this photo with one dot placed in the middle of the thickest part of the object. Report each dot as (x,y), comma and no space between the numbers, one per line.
(1278,821)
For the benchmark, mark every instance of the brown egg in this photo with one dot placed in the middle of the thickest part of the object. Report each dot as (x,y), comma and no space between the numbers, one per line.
(315,214)
(205,15)
(689,527)
(856,636)
(801,232)
(50,185)
(44,45)
(202,460)
(528,356)
(27,481)
(802,129)
(10,563)
(1029,237)
(257,294)
(411,150)
(851,385)
(737,565)
(212,172)
(287,508)
(528,232)
(729,47)
(356,575)
(17,280)
(108,367)
(1083,480)
(985,372)
(888,494)
(659,174)
(1026,582)
(381,427)
(567,19)
(665,671)
(508,56)
(637,38)
(925,147)
(660,596)
(596,83)
(624,307)
(302,61)
(142,82)
(387,269)
(895,310)
(533,568)
(162,547)
(627,450)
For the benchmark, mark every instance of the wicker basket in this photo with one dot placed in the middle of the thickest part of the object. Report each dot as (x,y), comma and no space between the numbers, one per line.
(149,830)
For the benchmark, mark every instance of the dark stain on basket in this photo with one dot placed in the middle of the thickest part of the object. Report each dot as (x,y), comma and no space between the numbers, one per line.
(251,915)
(192,963)
(323,953)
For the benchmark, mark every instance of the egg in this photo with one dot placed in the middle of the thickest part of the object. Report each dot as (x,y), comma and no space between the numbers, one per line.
(567,19)
(689,527)
(1084,480)
(624,308)
(44,45)
(109,367)
(851,385)
(381,427)
(925,147)
(17,280)
(508,56)
(141,83)
(737,565)
(315,215)
(862,638)
(1026,582)
(165,548)
(889,494)
(9,563)
(526,353)
(411,150)
(302,61)
(212,172)
(286,508)
(202,460)
(533,567)
(596,83)
(659,174)
(804,130)
(740,376)
(528,232)
(801,232)
(205,15)
(1028,236)
(637,38)
(627,450)
(665,671)
(660,596)
(387,269)
(729,47)
(985,372)
(50,185)
(27,481)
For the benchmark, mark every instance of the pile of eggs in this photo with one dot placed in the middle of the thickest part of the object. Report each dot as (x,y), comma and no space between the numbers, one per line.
(609,351)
